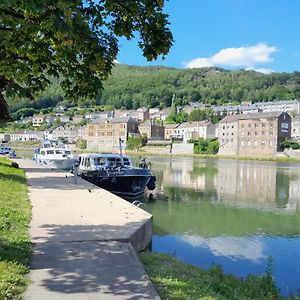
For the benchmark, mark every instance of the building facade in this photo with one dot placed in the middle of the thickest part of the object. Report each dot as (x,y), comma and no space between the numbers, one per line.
(105,135)
(195,130)
(254,134)
(152,130)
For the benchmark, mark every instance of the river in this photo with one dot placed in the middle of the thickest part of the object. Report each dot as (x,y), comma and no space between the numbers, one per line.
(242,215)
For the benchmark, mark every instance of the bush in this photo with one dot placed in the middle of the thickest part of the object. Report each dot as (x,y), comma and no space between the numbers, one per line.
(206,146)
(290,144)
(135,143)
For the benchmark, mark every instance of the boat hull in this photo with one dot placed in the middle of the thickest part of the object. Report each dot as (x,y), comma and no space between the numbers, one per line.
(128,183)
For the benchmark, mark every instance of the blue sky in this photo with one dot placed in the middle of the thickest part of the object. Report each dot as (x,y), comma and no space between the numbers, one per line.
(262,35)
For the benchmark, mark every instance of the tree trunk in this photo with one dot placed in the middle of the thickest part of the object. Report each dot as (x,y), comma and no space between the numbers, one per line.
(4,112)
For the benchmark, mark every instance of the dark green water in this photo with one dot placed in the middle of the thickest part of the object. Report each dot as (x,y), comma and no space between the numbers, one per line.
(234,213)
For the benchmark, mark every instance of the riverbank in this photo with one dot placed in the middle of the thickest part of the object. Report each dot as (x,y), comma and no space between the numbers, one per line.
(15,212)
(216,156)
(176,280)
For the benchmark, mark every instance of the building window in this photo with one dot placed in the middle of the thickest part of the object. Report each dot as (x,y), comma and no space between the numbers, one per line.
(263,124)
(249,143)
(262,142)
(243,126)
(232,126)
(255,125)
(255,143)
(255,132)
(271,133)
(242,143)
(249,125)
(263,133)
(249,133)
(243,133)
(271,125)
(270,143)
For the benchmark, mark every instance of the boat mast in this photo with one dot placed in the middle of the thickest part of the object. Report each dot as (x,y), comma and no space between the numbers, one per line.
(120,147)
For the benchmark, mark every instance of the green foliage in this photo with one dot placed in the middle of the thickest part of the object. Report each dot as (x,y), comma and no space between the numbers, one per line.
(74,40)
(14,241)
(206,146)
(175,280)
(81,144)
(135,143)
(173,118)
(290,144)
(155,86)
(197,115)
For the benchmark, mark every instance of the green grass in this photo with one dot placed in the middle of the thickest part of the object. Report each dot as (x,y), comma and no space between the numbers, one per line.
(15,213)
(176,280)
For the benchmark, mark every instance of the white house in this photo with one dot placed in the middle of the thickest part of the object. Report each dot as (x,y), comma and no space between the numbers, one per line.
(195,130)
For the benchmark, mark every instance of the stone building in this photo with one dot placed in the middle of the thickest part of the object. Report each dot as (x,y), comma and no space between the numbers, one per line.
(227,135)
(170,131)
(152,130)
(295,134)
(104,135)
(254,134)
(38,120)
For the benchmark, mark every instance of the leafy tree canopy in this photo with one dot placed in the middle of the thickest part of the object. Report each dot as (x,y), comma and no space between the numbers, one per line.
(74,39)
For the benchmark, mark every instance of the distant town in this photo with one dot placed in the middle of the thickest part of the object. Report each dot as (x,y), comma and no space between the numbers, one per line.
(247,129)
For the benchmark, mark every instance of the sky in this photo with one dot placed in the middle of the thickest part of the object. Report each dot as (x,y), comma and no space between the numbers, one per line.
(261,35)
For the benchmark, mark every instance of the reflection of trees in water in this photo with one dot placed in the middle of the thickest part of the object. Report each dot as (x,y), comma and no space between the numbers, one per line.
(208,220)
(184,194)
(207,170)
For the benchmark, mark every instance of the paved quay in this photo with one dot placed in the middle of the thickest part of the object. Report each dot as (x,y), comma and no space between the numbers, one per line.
(85,240)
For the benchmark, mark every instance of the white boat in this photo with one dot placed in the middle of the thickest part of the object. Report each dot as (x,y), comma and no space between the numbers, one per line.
(54,156)
(5,150)
(115,173)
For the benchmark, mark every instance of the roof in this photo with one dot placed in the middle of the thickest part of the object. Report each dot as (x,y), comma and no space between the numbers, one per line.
(230,119)
(193,124)
(251,116)
(104,155)
(171,126)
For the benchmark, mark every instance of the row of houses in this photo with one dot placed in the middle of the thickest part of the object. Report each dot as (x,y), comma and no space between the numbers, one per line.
(142,114)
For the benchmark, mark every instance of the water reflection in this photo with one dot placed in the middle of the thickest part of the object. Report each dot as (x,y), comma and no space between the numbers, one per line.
(263,185)
(233,213)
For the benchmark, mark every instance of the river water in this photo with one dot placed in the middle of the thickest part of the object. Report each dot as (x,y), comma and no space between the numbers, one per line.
(237,214)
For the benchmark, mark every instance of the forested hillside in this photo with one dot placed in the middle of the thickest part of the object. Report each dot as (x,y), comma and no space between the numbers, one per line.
(131,87)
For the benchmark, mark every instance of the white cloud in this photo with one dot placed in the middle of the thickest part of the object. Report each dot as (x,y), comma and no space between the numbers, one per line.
(233,247)
(244,57)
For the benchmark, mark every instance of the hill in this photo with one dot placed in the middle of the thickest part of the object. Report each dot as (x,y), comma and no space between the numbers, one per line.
(131,87)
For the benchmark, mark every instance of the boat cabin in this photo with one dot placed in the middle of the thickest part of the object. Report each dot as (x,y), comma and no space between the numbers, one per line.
(97,161)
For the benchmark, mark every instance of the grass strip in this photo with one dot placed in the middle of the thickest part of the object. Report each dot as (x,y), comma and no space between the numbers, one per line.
(176,280)
(15,213)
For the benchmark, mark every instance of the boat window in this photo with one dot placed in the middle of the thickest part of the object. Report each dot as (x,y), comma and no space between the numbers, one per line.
(43,152)
(59,152)
(87,162)
(126,161)
(50,152)
(68,152)
(99,161)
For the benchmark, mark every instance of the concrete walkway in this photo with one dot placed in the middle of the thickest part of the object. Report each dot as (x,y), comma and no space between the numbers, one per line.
(85,240)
